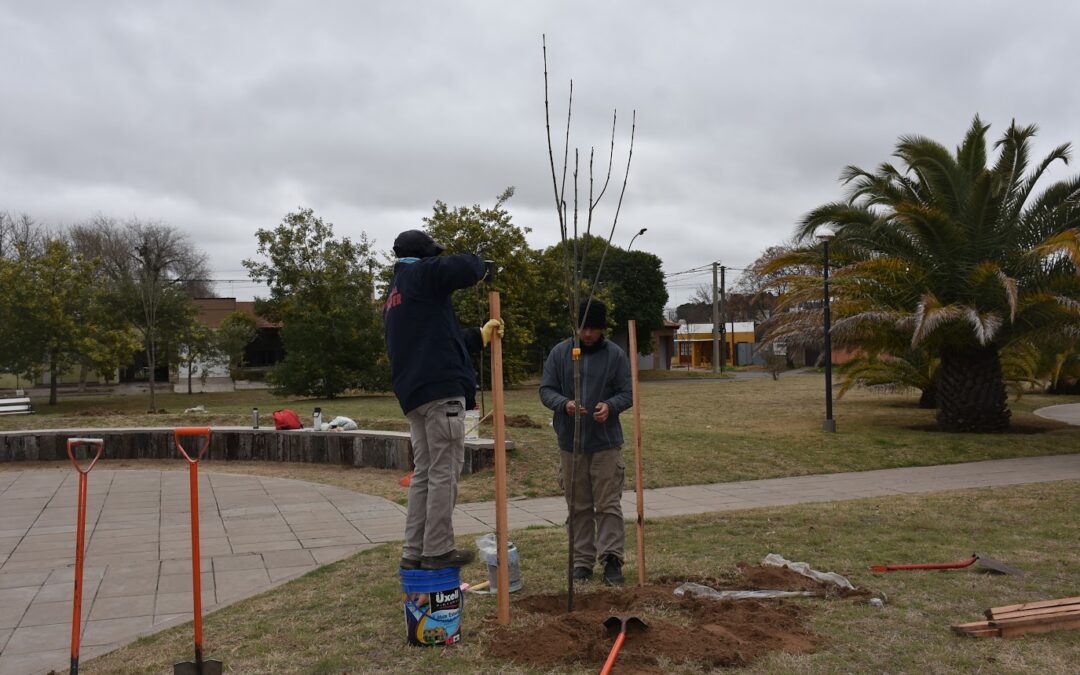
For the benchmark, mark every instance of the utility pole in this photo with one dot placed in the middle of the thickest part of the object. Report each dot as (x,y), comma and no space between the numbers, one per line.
(717,365)
(723,357)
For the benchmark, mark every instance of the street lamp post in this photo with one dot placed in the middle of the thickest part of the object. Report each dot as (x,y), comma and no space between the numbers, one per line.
(640,232)
(826,235)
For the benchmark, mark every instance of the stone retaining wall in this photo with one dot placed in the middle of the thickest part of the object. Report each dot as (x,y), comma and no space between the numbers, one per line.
(377,449)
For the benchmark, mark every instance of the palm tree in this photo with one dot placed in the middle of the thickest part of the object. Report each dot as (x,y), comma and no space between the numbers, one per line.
(961,255)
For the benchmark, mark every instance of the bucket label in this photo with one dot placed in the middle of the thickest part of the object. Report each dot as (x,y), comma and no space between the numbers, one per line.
(434,618)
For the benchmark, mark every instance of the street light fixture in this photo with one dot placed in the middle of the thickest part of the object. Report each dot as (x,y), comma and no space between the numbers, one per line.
(825,235)
(640,232)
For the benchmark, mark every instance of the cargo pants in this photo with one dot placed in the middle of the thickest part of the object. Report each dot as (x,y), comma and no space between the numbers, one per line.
(598,528)
(437,430)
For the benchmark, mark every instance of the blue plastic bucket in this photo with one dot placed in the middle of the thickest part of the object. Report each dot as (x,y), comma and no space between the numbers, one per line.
(433,606)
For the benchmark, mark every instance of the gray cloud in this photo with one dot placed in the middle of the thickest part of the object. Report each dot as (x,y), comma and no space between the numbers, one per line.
(219,118)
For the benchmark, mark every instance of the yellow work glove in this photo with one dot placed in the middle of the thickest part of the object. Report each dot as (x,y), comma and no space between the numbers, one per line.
(490,327)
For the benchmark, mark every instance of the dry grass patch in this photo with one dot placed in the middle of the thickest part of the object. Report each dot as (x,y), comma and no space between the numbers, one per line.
(347,617)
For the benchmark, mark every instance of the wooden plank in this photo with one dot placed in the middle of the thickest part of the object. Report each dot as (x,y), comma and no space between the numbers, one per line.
(15,401)
(1035,605)
(1041,611)
(1039,618)
(1042,627)
(976,629)
(971,625)
(639,473)
(502,529)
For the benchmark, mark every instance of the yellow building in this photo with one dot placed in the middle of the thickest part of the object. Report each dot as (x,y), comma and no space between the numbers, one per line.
(694,344)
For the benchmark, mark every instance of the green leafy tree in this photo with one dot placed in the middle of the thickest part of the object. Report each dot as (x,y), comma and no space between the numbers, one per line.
(196,343)
(491,234)
(51,308)
(961,253)
(322,292)
(234,334)
(631,283)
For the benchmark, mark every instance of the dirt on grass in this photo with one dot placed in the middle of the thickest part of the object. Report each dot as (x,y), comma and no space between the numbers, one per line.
(681,630)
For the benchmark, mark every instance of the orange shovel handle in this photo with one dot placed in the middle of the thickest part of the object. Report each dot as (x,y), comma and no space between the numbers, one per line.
(204,445)
(610,663)
(926,566)
(73,443)
(196,560)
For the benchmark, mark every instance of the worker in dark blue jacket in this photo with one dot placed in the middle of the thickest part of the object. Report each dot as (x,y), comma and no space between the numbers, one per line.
(435,384)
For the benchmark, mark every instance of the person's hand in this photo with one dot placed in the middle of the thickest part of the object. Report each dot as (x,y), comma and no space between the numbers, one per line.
(573,409)
(601,413)
(490,327)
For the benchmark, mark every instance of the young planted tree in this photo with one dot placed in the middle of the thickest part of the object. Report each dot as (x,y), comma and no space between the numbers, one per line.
(322,292)
(576,206)
(959,253)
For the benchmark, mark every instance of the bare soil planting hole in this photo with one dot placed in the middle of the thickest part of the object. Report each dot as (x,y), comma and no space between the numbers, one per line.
(704,632)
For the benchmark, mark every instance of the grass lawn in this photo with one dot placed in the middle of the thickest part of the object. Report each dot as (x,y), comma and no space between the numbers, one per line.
(701,431)
(347,617)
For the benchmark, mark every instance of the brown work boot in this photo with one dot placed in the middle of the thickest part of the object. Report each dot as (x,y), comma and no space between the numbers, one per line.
(452,558)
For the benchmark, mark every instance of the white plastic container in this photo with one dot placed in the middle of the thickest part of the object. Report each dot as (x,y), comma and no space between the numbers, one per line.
(472,425)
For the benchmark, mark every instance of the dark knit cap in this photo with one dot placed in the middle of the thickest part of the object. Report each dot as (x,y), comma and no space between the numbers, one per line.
(416,244)
(596,317)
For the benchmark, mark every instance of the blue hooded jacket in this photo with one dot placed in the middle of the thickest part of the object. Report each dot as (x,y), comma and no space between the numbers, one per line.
(429,351)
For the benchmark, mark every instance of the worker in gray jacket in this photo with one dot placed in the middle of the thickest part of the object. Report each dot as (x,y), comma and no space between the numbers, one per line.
(597,468)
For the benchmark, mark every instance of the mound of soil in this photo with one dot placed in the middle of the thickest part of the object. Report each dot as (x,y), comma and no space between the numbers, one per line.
(704,632)
(517,421)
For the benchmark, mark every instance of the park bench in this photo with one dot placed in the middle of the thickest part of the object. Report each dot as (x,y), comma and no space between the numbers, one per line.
(16,406)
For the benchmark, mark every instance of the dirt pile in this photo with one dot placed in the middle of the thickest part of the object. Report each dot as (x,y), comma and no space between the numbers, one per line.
(706,632)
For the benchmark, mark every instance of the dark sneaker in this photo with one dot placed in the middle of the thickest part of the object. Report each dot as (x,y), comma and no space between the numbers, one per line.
(453,558)
(613,575)
(582,573)
(410,564)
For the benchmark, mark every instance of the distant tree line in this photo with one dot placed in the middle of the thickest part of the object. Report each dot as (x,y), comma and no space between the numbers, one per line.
(93,295)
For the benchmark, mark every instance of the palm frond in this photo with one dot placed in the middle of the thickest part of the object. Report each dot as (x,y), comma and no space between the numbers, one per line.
(930,315)
(985,325)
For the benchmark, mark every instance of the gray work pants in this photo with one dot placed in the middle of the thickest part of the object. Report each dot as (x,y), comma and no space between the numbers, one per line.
(597,507)
(437,430)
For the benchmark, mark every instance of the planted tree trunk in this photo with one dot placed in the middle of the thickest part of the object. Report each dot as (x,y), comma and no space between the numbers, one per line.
(52,379)
(971,391)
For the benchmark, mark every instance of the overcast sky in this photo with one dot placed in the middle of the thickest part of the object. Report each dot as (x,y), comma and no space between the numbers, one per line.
(220,117)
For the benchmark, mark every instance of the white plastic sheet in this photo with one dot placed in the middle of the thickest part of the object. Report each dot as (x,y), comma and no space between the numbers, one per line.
(777,560)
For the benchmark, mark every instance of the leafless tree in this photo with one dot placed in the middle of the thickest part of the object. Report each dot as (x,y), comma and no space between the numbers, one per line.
(153,269)
(570,217)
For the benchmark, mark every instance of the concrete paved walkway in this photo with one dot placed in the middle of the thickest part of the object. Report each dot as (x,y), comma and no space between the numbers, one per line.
(258,532)
(1069,413)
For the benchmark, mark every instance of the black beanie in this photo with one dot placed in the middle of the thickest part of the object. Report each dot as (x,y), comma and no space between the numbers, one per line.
(596,317)
(416,244)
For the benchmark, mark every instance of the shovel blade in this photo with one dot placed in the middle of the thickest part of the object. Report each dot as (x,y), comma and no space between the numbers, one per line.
(210,667)
(624,623)
(991,565)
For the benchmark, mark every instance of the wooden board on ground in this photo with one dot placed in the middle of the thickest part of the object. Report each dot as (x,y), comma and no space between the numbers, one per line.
(1043,616)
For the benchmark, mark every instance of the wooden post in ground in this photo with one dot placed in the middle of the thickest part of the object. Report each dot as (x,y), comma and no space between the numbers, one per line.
(499,420)
(638,468)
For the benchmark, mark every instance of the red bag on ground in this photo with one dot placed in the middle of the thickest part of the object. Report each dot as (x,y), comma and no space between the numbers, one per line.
(286,419)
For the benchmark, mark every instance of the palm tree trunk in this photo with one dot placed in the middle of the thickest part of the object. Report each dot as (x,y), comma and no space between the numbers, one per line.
(971,391)
(928,399)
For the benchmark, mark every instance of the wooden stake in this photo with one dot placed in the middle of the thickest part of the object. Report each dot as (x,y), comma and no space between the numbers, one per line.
(499,419)
(638,469)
